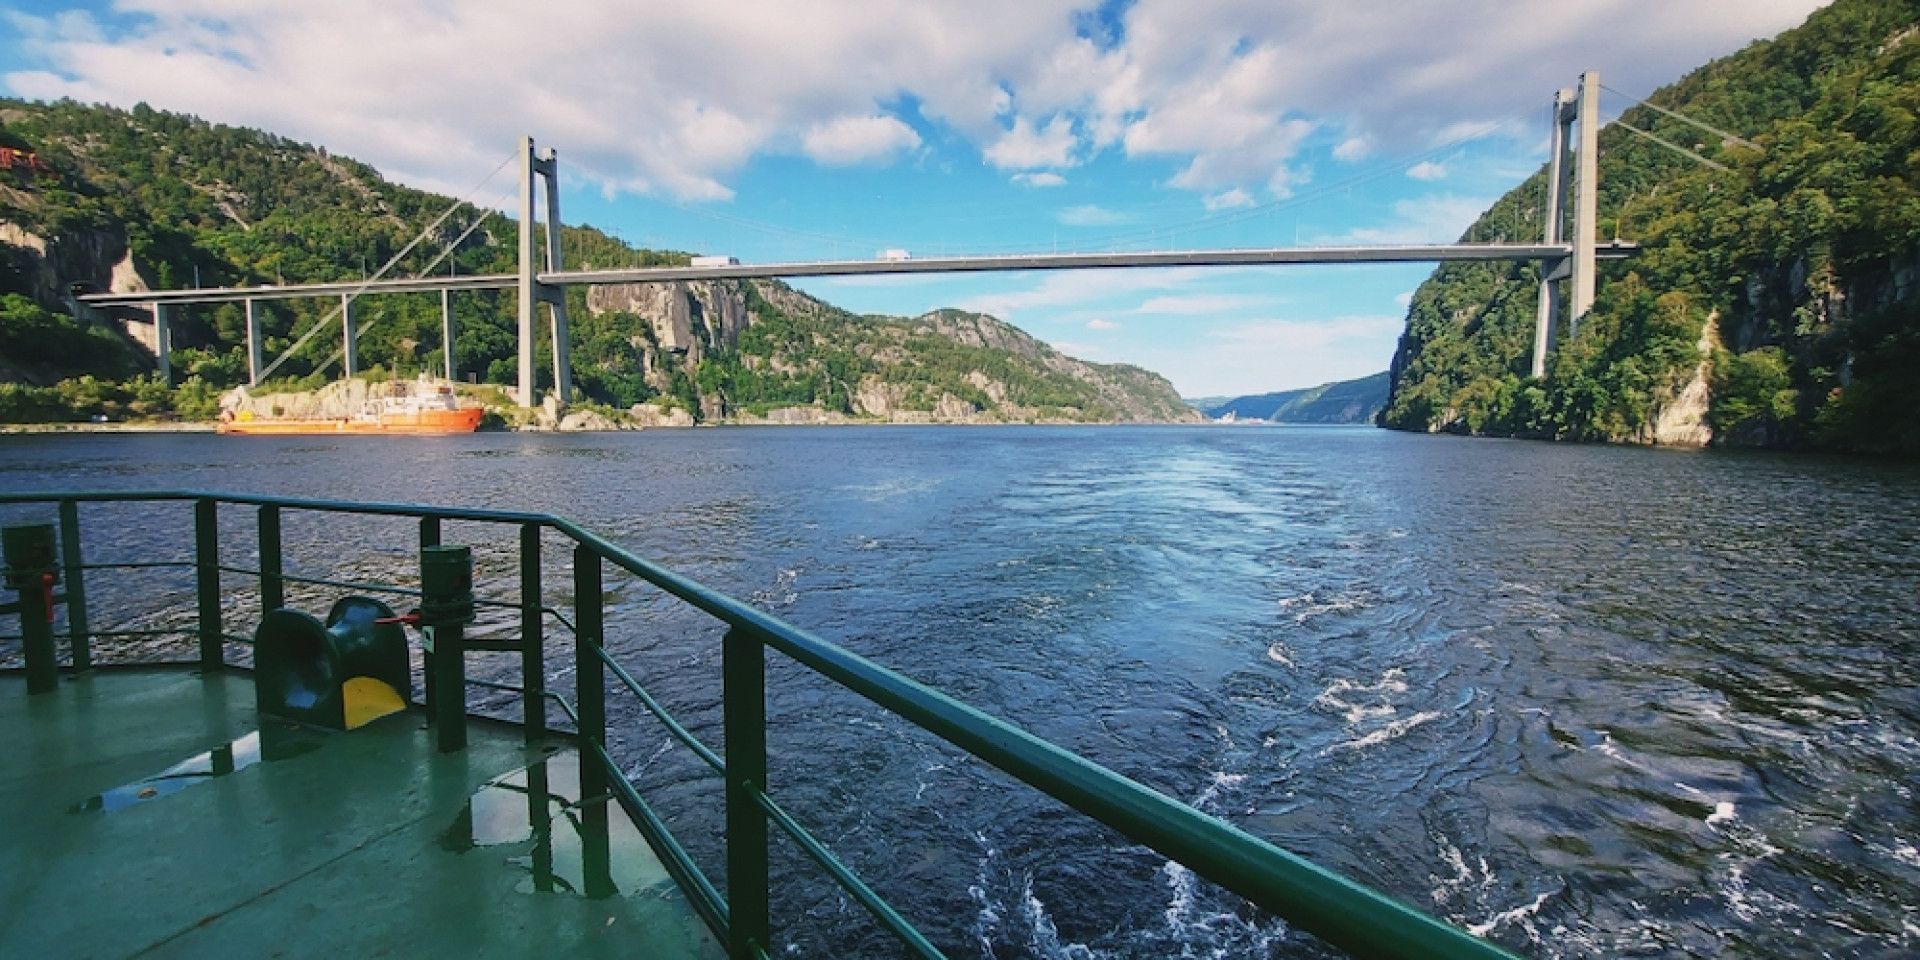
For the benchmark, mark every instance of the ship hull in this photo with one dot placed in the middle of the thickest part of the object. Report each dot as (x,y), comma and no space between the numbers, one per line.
(422,423)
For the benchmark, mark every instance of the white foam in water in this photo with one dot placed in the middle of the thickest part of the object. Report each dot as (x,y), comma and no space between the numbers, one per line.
(1391,731)
(1509,916)
(1278,654)
(1905,852)
(1722,812)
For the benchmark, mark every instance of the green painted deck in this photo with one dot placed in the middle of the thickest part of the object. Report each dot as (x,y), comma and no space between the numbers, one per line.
(358,844)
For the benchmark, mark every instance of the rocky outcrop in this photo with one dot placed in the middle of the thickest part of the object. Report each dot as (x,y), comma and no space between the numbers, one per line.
(696,318)
(653,415)
(1682,421)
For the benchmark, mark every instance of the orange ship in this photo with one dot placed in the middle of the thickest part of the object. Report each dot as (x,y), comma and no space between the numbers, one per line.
(438,412)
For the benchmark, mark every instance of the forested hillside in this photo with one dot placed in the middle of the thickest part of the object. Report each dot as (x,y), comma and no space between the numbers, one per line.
(1343,401)
(127,200)
(1776,297)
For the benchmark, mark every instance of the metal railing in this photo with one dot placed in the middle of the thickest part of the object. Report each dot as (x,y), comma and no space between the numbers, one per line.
(1345,914)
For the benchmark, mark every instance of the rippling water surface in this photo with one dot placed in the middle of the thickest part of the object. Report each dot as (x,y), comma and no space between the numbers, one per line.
(1585,701)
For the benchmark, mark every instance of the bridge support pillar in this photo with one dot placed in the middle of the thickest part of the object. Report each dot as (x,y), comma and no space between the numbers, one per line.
(1555,198)
(1579,110)
(532,291)
(1586,198)
(349,339)
(256,358)
(163,340)
(446,331)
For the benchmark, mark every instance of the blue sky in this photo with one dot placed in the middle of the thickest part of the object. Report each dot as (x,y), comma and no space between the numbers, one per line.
(782,131)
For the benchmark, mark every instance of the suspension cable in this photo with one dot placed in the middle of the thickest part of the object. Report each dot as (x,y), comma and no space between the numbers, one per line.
(367,324)
(327,321)
(1669,144)
(1683,118)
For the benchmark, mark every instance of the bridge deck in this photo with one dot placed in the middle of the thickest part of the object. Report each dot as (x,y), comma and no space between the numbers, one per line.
(138,822)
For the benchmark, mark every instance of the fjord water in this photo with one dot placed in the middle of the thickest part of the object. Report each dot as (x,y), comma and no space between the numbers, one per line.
(1588,701)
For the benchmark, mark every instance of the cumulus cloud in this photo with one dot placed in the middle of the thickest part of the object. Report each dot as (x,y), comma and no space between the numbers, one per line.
(677,98)
(844,141)
(1227,200)
(1025,146)
(1042,179)
(1428,170)
(1099,323)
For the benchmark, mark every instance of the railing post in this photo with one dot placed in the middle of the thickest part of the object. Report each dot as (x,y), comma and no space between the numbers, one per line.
(533,655)
(31,571)
(446,607)
(744,708)
(79,642)
(206,559)
(589,672)
(429,537)
(273,584)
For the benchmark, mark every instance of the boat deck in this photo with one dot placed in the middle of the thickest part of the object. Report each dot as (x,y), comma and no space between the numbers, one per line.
(152,812)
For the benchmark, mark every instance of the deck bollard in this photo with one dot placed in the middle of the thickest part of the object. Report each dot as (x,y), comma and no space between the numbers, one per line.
(446,607)
(32,568)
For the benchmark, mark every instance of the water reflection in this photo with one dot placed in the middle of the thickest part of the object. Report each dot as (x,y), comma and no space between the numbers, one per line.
(269,743)
(587,848)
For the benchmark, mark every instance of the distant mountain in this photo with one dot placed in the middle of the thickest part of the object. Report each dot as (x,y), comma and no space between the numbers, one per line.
(1203,404)
(1345,401)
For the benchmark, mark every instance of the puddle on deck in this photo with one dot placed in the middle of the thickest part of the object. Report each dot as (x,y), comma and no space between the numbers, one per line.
(269,743)
(563,845)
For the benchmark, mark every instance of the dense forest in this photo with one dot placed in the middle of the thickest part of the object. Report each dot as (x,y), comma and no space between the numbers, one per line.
(114,197)
(1783,278)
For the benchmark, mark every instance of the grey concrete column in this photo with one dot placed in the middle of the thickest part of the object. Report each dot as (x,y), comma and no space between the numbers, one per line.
(349,338)
(524,393)
(1586,198)
(256,357)
(1553,217)
(163,340)
(556,296)
(446,330)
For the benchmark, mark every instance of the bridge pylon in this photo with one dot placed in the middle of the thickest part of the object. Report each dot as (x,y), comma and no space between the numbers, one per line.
(1576,127)
(532,291)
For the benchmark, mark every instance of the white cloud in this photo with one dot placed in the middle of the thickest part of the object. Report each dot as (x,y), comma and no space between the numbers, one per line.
(1067,287)
(1438,218)
(1202,304)
(844,141)
(677,98)
(1404,299)
(1227,200)
(1428,170)
(1025,146)
(1090,215)
(1272,353)
(1102,324)
(1043,179)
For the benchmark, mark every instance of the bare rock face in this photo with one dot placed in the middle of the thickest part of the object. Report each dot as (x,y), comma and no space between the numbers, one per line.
(692,317)
(588,420)
(1682,420)
(650,415)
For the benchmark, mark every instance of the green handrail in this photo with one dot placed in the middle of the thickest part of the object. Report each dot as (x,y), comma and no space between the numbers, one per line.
(1343,913)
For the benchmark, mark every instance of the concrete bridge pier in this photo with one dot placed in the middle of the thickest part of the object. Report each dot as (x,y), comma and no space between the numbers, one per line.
(256,358)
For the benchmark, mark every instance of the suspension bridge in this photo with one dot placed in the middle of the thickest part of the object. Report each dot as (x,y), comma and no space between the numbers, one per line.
(1567,253)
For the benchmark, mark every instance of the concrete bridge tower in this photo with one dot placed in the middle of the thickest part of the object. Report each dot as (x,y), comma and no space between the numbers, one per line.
(1575,112)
